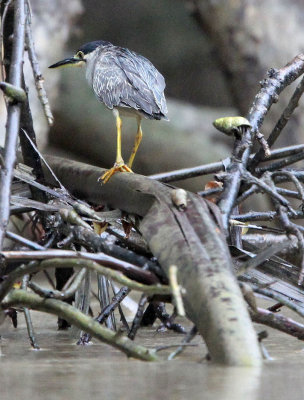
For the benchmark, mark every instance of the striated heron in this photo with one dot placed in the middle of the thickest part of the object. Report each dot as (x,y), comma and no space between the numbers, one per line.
(126,83)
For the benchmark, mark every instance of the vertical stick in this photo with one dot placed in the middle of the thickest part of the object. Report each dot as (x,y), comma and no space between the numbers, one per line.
(13,118)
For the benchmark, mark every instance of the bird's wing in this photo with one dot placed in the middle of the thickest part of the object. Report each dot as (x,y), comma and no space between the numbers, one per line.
(124,79)
(145,78)
(108,81)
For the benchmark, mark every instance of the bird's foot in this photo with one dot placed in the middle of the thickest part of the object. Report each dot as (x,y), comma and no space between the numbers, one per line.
(121,167)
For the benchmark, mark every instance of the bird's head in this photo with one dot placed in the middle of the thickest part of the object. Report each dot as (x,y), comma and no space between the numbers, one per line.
(82,55)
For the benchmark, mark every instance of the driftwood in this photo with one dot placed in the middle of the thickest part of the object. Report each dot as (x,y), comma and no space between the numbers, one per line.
(189,239)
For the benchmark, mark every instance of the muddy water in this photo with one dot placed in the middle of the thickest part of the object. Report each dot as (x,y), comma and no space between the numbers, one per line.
(62,370)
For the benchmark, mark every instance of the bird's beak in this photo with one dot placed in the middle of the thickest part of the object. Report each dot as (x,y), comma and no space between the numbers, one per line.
(68,62)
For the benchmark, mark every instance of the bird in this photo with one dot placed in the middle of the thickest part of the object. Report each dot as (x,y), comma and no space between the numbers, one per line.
(126,83)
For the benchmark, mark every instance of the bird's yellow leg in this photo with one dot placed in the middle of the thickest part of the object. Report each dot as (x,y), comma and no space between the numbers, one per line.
(119,165)
(137,141)
(119,159)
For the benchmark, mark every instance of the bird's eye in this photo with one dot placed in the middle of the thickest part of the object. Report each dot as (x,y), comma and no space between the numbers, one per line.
(80,55)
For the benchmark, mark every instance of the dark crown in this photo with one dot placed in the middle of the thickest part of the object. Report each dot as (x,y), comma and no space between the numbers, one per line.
(91,46)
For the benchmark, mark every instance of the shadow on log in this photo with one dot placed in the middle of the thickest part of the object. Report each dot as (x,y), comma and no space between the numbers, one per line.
(189,239)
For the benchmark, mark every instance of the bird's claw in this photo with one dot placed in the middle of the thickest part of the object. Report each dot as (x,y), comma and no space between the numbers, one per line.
(116,168)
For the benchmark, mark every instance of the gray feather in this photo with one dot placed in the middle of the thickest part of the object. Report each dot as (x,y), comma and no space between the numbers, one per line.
(121,78)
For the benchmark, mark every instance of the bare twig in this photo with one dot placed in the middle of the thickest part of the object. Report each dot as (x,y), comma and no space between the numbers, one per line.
(265,216)
(117,299)
(281,164)
(191,172)
(255,189)
(121,313)
(38,78)
(91,240)
(24,241)
(282,300)
(279,322)
(176,291)
(138,317)
(130,270)
(190,335)
(28,319)
(38,154)
(81,321)
(5,6)
(57,294)
(13,119)
(212,168)
(293,179)
(104,299)
(167,320)
(264,187)
(82,299)
(78,263)
(293,103)
(233,177)
(263,142)
(289,226)
(276,81)
(169,346)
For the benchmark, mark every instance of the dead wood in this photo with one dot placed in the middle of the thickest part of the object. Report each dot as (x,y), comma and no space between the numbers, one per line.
(189,239)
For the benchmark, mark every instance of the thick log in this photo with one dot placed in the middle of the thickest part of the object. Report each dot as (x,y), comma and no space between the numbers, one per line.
(187,238)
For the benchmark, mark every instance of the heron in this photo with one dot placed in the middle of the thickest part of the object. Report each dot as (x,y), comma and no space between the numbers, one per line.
(126,83)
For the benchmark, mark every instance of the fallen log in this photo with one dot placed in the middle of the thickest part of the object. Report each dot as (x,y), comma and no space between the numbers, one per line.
(188,238)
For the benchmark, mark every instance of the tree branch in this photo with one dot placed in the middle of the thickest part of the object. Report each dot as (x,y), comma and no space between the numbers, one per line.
(78,319)
(13,119)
